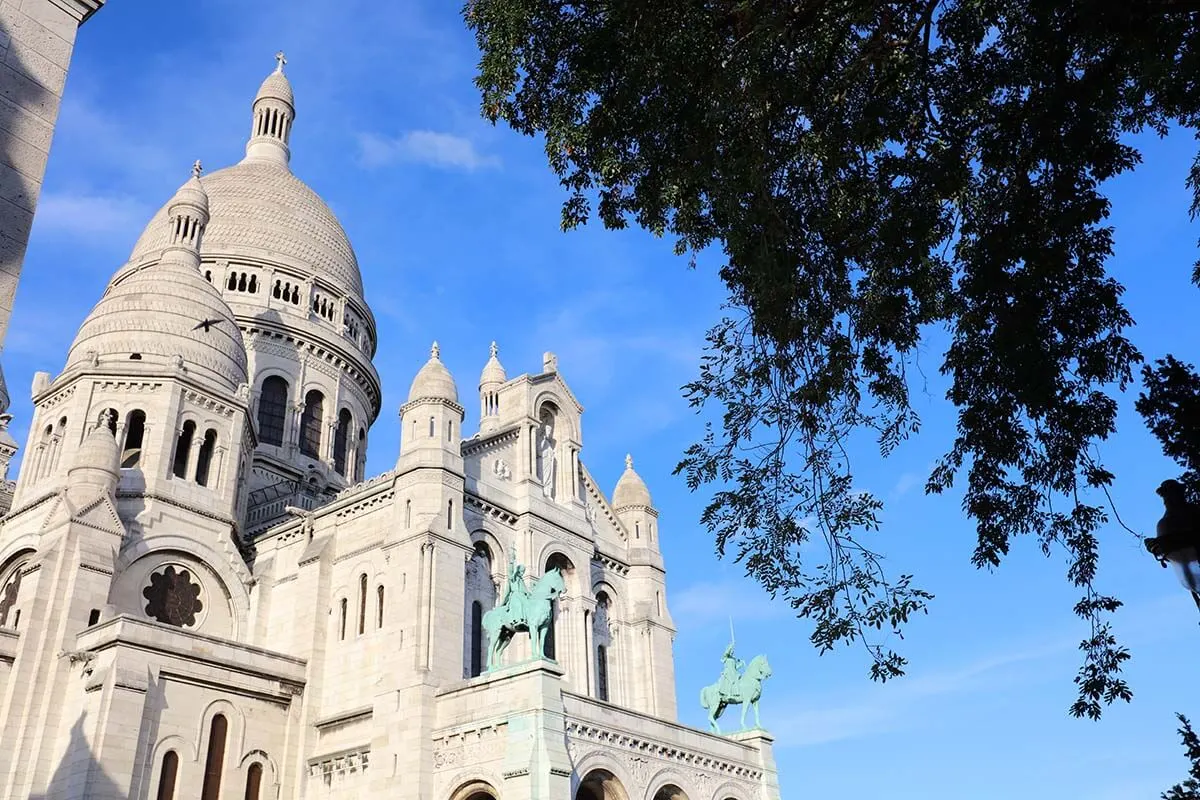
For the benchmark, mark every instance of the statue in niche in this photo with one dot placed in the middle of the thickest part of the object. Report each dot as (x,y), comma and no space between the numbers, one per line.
(739,684)
(523,610)
(549,460)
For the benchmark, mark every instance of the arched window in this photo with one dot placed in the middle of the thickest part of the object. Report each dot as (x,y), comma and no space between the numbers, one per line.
(362,604)
(408,513)
(450,515)
(602,673)
(183,448)
(204,461)
(431,427)
(135,433)
(310,424)
(564,565)
(379,607)
(341,441)
(253,781)
(361,455)
(600,637)
(476,639)
(342,623)
(232,284)
(450,430)
(272,410)
(167,775)
(215,764)
(110,418)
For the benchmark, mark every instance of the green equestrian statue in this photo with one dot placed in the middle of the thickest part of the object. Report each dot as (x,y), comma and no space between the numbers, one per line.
(523,610)
(739,684)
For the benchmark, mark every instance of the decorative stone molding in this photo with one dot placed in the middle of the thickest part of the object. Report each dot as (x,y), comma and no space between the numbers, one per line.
(490,510)
(688,761)
(611,564)
(340,765)
(469,746)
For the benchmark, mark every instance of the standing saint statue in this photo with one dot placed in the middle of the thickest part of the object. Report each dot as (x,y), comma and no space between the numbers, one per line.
(549,460)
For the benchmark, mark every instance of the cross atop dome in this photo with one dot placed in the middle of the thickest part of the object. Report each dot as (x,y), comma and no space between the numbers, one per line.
(280,60)
(197,169)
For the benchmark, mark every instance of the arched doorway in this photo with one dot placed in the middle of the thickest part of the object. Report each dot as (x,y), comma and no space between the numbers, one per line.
(670,792)
(600,784)
(475,790)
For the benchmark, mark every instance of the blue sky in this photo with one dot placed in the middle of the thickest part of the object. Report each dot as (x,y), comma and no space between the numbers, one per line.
(456,227)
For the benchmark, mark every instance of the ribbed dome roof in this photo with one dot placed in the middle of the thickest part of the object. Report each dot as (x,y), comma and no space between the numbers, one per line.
(433,381)
(631,489)
(276,87)
(493,370)
(260,209)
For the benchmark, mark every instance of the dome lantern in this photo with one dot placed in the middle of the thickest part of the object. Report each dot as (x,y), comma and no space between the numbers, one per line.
(273,111)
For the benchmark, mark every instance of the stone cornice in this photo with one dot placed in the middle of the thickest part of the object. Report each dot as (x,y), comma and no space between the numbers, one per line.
(81,10)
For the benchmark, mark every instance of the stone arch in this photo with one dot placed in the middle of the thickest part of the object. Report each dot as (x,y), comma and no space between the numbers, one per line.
(729,791)
(571,576)
(14,590)
(599,763)
(235,735)
(616,603)
(563,417)
(667,784)
(270,771)
(187,752)
(217,579)
(499,555)
(476,789)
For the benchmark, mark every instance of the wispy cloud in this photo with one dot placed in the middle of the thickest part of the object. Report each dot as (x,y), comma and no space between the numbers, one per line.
(433,148)
(92,215)
(702,604)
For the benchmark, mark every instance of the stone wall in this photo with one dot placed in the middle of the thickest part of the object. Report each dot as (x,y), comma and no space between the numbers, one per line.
(36,40)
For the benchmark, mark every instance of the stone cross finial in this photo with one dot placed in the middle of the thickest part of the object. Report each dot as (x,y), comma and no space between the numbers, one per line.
(494,350)
(280,60)
(197,169)
(435,352)
(628,461)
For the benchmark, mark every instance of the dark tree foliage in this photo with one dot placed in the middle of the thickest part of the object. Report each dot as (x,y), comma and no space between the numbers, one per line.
(873,172)
(1190,788)
(1170,404)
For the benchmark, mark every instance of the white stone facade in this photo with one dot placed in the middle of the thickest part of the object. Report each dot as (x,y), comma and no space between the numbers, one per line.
(201,597)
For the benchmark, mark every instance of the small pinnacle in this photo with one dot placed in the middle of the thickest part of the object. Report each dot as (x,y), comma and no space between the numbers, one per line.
(280,60)
(494,350)
(197,169)
(435,352)
(628,461)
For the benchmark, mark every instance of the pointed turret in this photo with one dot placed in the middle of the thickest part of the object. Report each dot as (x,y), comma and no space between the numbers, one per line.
(96,467)
(490,383)
(274,110)
(432,418)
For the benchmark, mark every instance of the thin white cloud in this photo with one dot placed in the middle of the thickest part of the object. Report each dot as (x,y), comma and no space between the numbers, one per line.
(703,604)
(92,215)
(433,148)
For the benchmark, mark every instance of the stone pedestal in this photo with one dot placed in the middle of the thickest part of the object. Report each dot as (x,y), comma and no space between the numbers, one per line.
(762,742)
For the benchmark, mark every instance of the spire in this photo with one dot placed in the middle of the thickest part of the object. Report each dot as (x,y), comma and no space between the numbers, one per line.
(187,215)
(491,380)
(273,111)
(435,352)
(631,489)
(628,461)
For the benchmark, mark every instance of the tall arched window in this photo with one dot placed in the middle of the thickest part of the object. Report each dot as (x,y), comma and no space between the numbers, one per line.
(135,433)
(253,781)
(341,441)
(342,623)
(310,424)
(450,515)
(379,607)
(362,454)
(557,560)
(215,764)
(362,604)
(272,410)
(167,776)
(183,448)
(431,431)
(602,673)
(600,637)
(408,513)
(476,638)
(204,461)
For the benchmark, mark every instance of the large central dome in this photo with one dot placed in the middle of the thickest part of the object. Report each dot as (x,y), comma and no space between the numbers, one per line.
(260,209)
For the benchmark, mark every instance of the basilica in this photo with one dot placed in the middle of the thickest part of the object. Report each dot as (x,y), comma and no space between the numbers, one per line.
(203,596)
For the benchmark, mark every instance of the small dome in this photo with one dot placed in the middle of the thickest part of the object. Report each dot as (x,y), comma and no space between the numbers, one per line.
(631,489)
(191,194)
(434,381)
(276,87)
(99,451)
(493,370)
